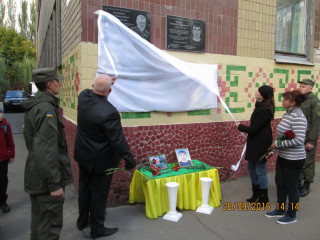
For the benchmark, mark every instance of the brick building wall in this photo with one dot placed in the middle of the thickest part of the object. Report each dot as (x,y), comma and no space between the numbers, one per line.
(71,25)
(220,16)
(240,38)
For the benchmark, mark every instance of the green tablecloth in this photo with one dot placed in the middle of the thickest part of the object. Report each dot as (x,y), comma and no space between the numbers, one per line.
(198,166)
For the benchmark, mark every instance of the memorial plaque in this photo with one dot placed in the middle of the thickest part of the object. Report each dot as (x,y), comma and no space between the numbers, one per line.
(138,21)
(185,34)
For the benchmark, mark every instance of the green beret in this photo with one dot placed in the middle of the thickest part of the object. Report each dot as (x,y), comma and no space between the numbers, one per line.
(45,74)
(307,81)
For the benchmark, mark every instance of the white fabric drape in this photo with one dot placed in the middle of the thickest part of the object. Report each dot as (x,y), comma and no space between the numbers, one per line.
(148,78)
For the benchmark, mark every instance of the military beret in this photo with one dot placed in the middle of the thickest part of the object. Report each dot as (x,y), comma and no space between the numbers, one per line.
(307,81)
(45,74)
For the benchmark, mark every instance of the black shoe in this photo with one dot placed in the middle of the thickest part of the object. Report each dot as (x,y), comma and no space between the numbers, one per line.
(263,198)
(103,232)
(305,189)
(5,208)
(304,192)
(80,227)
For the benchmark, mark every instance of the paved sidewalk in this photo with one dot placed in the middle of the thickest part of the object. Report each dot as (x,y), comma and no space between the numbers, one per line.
(133,225)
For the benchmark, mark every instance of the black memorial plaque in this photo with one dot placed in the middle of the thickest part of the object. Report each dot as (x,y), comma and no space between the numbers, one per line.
(138,21)
(185,34)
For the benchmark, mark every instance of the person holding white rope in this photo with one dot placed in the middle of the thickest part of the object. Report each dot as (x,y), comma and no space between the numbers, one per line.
(258,141)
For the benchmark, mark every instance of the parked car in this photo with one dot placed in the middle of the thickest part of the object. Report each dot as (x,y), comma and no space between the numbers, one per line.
(13,99)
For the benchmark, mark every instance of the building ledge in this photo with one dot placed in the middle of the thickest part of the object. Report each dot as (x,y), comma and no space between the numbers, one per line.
(293,60)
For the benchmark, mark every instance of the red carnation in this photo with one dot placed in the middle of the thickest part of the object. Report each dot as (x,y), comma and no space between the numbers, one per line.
(289,134)
(176,168)
(154,170)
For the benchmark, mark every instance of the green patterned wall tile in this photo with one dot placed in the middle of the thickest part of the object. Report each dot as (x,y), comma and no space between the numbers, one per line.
(279,109)
(235,82)
(135,115)
(249,105)
(282,71)
(234,95)
(250,74)
(231,68)
(199,112)
(257,85)
(271,75)
(303,72)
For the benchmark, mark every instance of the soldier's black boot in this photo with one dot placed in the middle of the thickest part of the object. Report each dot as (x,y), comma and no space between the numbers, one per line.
(305,189)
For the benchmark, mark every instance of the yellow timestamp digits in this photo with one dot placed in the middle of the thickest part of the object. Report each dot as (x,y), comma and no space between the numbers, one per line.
(245,206)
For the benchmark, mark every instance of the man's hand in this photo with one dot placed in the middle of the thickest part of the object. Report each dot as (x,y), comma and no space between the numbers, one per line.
(309,146)
(130,165)
(58,194)
(11,160)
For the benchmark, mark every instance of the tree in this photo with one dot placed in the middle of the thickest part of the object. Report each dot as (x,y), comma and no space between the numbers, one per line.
(23,19)
(17,53)
(4,84)
(31,34)
(22,73)
(2,13)
(12,14)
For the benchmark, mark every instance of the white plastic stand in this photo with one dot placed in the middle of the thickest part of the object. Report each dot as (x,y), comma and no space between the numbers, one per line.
(172,215)
(205,188)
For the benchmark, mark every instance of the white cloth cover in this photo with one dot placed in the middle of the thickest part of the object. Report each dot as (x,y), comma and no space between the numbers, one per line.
(148,78)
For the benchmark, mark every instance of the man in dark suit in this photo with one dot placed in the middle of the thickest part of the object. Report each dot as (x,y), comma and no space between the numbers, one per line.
(100,144)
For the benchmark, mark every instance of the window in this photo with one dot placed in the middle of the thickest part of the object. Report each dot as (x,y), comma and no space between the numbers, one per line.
(293,31)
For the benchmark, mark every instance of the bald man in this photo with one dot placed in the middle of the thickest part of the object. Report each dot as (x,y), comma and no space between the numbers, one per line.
(100,144)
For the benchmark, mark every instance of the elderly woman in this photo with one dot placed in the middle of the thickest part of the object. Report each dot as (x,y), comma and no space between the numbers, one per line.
(291,133)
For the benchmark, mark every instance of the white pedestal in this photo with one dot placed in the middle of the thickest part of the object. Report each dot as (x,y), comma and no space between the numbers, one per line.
(205,188)
(172,215)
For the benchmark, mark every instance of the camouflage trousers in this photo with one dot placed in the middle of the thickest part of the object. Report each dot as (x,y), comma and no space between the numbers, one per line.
(46,217)
(308,170)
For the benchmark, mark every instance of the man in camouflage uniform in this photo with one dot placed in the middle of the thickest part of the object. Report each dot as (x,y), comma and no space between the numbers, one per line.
(311,110)
(47,169)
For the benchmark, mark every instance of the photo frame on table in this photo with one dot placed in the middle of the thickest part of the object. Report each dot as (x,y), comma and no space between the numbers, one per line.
(183,157)
(158,161)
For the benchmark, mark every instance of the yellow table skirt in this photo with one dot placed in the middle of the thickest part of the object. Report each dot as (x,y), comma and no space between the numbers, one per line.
(155,195)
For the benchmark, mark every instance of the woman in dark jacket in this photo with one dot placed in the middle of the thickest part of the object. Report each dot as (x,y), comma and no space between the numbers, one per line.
(258,142)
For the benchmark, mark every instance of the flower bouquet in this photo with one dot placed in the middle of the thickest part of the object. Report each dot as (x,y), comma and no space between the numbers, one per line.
(286,136)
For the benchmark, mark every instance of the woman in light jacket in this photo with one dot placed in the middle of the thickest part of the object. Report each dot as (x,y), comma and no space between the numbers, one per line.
(291,157)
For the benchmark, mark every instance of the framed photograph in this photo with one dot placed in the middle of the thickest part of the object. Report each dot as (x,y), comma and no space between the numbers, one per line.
(183,157)
(158,161)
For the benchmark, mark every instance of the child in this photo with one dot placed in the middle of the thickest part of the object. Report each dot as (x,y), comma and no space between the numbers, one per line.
(6,156)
